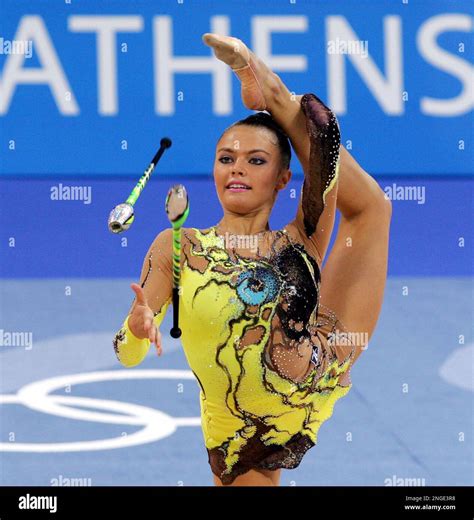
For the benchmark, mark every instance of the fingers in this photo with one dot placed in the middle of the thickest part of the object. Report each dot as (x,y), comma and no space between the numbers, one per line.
(152,333)
(139,293)
(154,336)
(151,330)
(159,349)
(148,324)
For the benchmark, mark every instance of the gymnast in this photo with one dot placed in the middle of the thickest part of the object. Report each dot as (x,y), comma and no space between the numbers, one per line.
(268,332)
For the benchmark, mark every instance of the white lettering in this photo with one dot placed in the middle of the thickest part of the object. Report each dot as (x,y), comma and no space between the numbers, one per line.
(32,28)
(387,90)
(166,65)
(38,502)
(106,28)
(445,61)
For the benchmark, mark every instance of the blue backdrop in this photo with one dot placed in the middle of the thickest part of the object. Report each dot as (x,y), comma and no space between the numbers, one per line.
(99,83)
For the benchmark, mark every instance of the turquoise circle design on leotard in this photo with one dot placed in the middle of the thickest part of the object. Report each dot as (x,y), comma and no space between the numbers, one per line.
(257,286)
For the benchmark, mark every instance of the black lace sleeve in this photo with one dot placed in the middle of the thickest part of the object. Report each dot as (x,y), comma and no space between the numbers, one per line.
(325,139)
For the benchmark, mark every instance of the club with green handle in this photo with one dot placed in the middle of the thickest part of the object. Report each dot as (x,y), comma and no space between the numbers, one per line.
(177,209)
(122,216)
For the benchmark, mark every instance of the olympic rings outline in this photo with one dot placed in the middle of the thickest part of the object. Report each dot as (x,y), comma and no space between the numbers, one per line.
(157,424)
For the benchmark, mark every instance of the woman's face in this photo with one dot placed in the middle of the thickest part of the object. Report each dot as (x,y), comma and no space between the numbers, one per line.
(248,155)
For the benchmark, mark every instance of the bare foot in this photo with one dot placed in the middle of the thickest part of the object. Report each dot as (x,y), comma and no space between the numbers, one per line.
(254,75)
(228,49)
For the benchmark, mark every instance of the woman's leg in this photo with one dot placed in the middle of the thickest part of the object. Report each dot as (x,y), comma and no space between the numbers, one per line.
(353,279)
(261,477)
(354,276)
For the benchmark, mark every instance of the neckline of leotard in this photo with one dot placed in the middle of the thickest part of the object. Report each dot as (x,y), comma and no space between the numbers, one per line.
(214,228)
(279,231)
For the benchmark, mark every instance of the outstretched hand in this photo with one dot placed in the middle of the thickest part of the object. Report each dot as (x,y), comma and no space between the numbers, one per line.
(141,322)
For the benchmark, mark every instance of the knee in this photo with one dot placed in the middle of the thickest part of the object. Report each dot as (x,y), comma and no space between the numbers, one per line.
(380,209)
(376,205)
(377,199)
(385,209)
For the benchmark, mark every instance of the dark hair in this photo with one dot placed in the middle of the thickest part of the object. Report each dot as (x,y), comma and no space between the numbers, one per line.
(267,121)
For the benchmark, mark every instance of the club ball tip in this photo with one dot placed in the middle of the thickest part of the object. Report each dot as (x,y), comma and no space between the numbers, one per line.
(166,142)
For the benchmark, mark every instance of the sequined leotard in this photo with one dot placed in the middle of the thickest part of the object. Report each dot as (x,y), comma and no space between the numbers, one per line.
(253,331)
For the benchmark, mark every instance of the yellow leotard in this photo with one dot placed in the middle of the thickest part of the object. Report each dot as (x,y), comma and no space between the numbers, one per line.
(253,331)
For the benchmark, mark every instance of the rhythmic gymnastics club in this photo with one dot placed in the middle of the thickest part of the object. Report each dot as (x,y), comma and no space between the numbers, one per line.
(177,209)
(122,216)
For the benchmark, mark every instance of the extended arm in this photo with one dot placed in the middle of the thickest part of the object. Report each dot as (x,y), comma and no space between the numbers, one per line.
(156,281)
(314,134)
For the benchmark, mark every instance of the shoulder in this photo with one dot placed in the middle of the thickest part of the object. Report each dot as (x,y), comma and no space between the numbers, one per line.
(161,249)
(161,246)
(164,239)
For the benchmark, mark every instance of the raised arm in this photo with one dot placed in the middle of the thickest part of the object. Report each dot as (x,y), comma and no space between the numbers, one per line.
(314,134)
(132,341)
(317,202)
